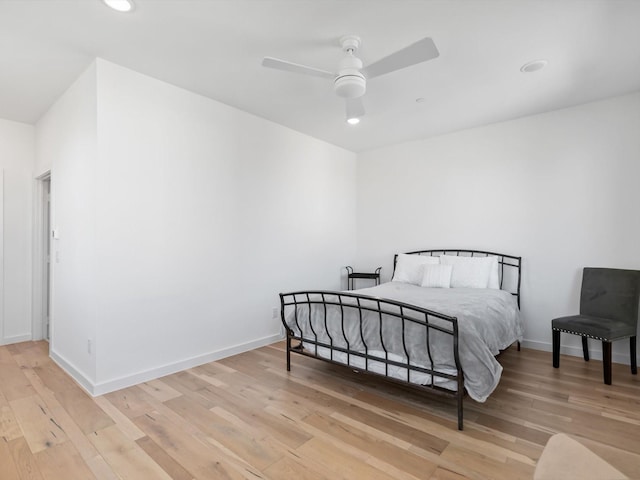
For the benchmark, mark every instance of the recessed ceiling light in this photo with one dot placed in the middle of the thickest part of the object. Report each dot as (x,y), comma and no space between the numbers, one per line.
(120,5)
(533,66)
(353,121)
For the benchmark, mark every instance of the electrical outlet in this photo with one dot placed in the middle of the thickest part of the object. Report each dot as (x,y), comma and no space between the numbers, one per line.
(274,312)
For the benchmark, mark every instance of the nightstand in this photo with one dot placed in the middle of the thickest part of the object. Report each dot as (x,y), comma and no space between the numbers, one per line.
(352,276)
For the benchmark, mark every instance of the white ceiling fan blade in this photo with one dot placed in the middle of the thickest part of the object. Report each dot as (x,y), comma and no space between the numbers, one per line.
(295,67)
(421,51)
(355,108)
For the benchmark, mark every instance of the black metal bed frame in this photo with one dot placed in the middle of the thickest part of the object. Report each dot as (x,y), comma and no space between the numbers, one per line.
(385,308)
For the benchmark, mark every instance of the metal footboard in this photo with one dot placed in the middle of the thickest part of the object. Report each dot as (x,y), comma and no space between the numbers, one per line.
(317,320)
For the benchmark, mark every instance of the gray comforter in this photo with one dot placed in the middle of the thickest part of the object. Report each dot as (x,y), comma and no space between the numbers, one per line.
(488,321)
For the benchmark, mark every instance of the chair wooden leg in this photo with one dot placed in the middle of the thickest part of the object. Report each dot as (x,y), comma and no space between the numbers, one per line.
(556,348)
(633,354)
(585,348)
(606,361)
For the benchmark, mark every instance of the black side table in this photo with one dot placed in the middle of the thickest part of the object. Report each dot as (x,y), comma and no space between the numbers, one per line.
(351,276)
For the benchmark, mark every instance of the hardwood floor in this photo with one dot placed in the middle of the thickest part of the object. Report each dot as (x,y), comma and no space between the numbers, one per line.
(245,417)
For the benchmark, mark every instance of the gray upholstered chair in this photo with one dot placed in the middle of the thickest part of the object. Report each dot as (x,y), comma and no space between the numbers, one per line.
(609,308)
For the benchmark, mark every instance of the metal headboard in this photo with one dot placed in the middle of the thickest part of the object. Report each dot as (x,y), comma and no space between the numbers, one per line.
(504,260)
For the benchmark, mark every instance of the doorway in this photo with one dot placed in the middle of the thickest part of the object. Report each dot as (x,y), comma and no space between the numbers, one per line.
(42,278)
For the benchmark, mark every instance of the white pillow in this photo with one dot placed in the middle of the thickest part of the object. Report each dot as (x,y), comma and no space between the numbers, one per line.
(409,267)
(436,276)
(494,276)
(472,272)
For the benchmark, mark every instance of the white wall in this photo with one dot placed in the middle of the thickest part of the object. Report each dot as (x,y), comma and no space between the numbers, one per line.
(559,189)
(182,218)
(66,144)
(16,166)
(191,218)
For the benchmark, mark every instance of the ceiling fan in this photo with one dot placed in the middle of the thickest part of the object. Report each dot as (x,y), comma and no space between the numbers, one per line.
(350,81)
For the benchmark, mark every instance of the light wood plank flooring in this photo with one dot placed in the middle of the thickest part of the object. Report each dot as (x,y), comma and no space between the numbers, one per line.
(245,417)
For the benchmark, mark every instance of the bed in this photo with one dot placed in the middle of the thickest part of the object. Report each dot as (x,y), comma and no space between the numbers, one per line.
(438,325)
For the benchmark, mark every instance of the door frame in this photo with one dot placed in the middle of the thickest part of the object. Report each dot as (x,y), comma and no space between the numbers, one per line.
(39,294)
(2,340)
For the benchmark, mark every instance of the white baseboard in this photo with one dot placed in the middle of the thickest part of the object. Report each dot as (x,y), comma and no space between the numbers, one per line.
(576,351)
(72,371)
(15,339)
(123,382)
(95,389)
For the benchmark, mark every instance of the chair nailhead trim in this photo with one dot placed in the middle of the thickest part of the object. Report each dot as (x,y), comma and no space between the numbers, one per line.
(581,334)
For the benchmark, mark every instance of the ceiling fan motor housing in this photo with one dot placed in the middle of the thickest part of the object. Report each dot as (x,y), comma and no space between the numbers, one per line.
(350,83)
(350,86)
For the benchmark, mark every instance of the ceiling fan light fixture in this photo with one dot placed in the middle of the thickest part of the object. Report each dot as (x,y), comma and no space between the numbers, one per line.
(119,5)
(353,121)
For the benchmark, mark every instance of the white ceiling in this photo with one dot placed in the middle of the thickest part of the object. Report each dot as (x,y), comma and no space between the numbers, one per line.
(214,47)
